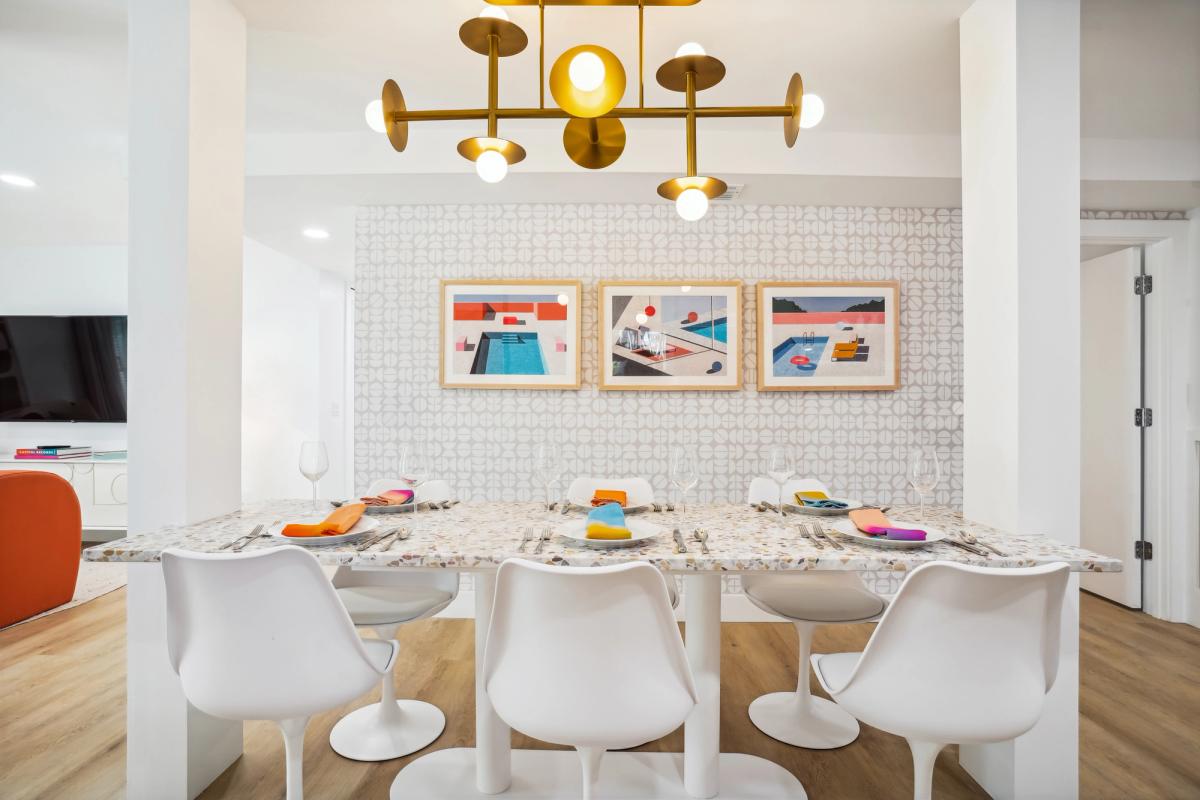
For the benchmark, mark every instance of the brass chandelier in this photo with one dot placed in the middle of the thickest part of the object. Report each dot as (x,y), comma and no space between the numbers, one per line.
(587,82)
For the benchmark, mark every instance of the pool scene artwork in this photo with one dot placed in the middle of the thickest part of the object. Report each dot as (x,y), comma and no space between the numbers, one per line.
(514,334)
(828,336)
(669,336)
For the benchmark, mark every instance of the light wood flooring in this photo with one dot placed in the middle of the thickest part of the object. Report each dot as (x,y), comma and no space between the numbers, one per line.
(62,712)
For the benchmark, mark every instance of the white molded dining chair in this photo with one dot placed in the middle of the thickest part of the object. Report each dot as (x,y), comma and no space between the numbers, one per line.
(964,654)
(262,636)
(638,491)
(589,657)
(383,600)
(807,598)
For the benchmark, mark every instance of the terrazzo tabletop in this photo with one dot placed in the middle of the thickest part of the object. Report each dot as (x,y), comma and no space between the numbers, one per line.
(479,536)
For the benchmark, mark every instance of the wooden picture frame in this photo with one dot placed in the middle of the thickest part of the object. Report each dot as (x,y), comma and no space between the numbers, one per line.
(502,334)
(846,338)
(669,335)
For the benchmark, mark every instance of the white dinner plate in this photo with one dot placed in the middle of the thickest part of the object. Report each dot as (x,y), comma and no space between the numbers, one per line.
(576,532)
(851,505)
(363,525)
(846,528)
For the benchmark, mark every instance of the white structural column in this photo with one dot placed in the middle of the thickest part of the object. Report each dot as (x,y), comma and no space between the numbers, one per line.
(187,67)
(1020,150)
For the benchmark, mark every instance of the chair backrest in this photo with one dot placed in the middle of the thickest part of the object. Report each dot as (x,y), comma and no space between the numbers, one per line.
(638,491)
(261,635)
(40,537)
(766,490)
(428,492)
(974,647)
(559,631)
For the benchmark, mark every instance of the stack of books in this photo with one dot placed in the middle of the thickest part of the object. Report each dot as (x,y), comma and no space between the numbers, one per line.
(52,452)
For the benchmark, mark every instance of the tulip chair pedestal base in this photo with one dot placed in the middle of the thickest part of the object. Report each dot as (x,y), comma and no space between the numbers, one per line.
(555,774)
(803,720)
(373,734)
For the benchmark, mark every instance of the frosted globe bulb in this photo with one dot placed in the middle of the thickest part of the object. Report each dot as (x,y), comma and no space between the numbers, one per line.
(586,71)
(812,110)
(491,166)
(374,115)
(692,204)
(690,49)
(493,13)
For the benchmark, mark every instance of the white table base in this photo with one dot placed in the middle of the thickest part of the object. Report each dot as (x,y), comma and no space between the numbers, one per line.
(555,774)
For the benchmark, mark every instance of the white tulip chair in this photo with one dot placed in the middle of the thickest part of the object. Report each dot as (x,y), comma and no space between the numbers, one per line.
(589,657)
(383,600)
(263,636)
(964,654)
(807,598)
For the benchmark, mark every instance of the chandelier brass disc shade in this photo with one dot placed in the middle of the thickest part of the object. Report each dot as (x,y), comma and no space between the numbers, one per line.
(594,143)
(471,148)
(476,32)
(712,187)
(580,103)
(795,99)
(672,75)
(393,102)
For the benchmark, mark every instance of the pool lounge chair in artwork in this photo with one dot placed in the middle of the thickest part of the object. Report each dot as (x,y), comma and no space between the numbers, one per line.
(845,351)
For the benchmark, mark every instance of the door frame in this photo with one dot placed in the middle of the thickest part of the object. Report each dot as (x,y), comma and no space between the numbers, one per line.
(1170,363)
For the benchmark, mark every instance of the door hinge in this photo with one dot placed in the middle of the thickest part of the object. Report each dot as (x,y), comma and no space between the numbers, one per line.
(1143,417)
(1143,284)
(1143,550)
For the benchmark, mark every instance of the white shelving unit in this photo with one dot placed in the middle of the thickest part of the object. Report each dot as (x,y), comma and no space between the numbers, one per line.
(102,485)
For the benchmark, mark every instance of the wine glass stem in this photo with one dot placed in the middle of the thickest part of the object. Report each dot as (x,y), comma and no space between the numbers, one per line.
(922,496)
(315,506)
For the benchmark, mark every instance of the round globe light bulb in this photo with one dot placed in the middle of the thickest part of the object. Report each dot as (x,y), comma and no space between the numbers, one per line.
(563,299)
(642,319)
(493,12)
(586,71)
(491,166)
(690,49)
(374,115)
(812,110)
(692,204)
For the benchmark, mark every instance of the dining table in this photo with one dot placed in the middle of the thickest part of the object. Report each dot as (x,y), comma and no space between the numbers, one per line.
(174,750)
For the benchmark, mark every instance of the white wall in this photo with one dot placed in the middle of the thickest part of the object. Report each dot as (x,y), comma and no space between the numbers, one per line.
(63,280)
(293,374)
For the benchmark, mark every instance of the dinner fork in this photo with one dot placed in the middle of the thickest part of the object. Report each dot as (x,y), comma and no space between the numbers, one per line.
(546,534)
(971,538)
(701,536)
(253,534)
(526,538)
(804,532)
(821,532)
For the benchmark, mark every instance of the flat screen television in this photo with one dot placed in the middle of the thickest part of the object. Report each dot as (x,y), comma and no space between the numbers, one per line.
(63,369)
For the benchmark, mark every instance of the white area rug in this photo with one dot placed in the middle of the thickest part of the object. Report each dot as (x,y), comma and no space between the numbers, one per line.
(95,580)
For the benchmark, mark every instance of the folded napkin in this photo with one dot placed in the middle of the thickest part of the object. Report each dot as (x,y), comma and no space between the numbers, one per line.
(607,522)
(604,496)
(392,497)
(817,500)
(872,522)
(340,521)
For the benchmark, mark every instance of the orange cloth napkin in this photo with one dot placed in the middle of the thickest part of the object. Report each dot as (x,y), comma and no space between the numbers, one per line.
(604,496)
(340,521)
(864,518)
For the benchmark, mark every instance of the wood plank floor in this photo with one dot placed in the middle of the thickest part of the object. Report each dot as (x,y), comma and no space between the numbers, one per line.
(62,712)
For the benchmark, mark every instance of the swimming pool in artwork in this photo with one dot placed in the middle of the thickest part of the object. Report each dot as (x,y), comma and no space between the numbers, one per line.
(513,354)
(810,347)
(715,330)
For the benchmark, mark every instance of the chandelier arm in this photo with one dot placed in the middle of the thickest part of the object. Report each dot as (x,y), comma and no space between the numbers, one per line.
(701,112)
(690,91)
(541,53)
(641,53)
(493,83)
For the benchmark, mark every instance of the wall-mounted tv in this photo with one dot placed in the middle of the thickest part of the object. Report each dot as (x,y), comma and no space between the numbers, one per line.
(63,369)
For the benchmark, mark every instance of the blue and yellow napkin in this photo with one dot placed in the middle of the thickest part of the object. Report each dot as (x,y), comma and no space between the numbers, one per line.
(818,500)
(607,522)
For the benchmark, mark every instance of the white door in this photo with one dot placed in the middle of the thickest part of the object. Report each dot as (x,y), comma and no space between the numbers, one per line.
(1111,475)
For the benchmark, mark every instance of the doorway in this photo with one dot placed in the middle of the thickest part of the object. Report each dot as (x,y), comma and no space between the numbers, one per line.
(1113,417)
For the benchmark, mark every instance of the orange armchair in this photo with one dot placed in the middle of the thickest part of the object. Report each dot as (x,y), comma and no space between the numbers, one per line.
(40,537)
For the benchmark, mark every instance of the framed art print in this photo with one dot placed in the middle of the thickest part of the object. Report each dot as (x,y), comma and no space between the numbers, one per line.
(510,334)
(829,336)
(667,335)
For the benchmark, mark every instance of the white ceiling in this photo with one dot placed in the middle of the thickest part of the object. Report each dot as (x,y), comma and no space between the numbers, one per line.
(886,68)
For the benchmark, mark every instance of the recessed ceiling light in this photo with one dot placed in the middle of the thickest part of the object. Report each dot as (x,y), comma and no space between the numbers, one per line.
(17,180)
(316,233)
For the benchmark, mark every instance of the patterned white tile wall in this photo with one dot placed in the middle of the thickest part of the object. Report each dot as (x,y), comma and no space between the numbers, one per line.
(483,439)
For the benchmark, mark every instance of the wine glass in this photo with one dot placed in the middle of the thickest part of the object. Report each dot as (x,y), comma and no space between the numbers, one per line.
(547,467)
(314,463)
(414,471)
(924,473)
(684,476)
(780,468)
